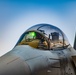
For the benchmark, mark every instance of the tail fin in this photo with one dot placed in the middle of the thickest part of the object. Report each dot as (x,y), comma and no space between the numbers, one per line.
(75,42)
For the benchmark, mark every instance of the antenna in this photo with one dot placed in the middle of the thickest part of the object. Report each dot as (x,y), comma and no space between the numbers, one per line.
(75,42)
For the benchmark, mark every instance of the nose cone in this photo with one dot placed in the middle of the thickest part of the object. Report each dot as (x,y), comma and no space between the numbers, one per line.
(13,65)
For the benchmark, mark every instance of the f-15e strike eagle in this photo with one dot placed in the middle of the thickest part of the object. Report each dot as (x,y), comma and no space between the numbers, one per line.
(42,49)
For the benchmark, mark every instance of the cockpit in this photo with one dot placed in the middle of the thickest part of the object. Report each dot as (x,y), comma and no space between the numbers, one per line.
(44,37)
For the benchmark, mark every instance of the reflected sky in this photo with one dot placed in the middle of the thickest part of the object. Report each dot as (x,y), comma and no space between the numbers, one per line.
(18,15)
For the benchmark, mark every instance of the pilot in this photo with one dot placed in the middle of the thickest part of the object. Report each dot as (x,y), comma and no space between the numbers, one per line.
(50,44)
(42,40)
(43,43)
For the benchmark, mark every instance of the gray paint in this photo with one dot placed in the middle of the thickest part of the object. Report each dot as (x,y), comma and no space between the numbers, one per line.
(25,60)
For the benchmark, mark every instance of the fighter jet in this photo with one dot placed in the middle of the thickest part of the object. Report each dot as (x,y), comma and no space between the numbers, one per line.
(43,49)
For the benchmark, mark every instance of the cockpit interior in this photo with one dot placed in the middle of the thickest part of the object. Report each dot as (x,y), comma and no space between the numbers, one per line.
(44,37)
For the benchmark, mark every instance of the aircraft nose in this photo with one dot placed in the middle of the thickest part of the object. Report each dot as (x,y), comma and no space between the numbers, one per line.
(12,65)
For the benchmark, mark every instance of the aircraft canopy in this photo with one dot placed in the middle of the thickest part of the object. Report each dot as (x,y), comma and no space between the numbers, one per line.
(45,37)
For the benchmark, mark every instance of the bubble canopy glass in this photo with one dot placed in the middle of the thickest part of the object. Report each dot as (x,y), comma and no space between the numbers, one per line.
(45,37)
